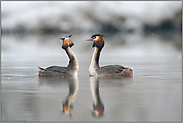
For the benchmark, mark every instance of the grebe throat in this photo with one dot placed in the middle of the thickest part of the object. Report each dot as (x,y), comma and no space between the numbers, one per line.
(94,62)
(73,62)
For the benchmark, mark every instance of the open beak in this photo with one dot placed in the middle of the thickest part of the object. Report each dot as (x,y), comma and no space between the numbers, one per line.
(91,39)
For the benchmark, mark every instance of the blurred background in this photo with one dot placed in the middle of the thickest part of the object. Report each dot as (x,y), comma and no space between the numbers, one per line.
(37,26)
(145,36)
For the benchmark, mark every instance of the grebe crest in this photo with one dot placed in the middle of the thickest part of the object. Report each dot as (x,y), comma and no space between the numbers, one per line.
(67,42)
(98,40)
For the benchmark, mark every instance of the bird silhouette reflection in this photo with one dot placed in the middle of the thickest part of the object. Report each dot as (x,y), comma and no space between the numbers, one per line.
(98,107)
(73,82)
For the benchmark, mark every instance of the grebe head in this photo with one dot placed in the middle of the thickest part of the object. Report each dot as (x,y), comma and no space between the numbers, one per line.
(67,42)
(98,40)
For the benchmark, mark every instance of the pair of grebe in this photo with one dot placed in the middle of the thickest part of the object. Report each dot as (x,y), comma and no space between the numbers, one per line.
(94,69)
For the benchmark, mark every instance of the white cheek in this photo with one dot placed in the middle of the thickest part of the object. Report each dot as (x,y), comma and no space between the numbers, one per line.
(68,39)
(96,38)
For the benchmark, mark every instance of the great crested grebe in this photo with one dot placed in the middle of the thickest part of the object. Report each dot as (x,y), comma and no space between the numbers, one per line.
(70,70)
(105,71)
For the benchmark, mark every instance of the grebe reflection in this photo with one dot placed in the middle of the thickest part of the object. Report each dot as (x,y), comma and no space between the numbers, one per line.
(73,82)
(98,107)
(67,105)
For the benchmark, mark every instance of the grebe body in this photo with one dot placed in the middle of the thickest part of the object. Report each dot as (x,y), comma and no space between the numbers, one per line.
(70,70)
(105,71)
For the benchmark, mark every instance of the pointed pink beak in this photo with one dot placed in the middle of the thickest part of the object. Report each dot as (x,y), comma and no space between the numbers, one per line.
(91,39)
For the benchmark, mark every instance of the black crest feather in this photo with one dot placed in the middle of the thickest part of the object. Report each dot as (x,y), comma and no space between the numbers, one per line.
(97,35)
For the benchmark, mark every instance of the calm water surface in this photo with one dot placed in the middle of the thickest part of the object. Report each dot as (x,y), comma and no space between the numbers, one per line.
(153,94)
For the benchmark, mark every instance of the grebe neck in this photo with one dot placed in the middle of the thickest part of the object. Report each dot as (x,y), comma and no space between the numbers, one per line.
(73,62)
(95,61)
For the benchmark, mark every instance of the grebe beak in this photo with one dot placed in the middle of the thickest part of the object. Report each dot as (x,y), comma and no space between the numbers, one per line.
(67,36)
(91,39)
(70,35)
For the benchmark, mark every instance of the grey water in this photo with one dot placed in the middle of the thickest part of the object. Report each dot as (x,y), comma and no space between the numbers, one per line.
(153,94)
